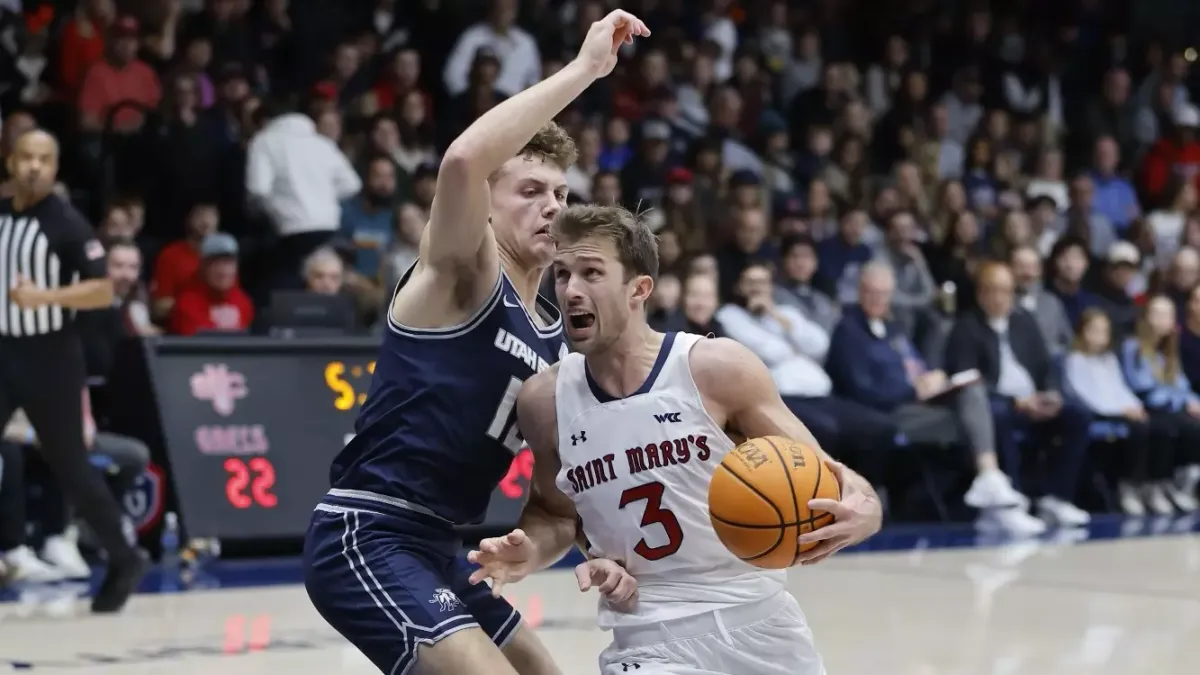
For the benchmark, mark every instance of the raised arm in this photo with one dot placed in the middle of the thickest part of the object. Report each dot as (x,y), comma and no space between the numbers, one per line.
(458,221)
(738,387)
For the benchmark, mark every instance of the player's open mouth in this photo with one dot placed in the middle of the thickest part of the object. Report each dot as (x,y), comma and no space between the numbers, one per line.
(545,231)
(581,321)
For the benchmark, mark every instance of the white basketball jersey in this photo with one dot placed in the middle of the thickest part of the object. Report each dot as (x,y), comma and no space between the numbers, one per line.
(638,470)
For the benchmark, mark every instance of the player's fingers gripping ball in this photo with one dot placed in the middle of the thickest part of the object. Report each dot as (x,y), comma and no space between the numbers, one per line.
(758,500)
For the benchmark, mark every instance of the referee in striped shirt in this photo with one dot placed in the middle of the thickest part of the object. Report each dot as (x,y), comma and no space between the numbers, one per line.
(51,265)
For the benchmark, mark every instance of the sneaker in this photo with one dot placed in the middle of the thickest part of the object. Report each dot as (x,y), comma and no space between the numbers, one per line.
(64,554)
(24,566)
(121,579)
(1157,501)
(1130,499)
(1184,501)
(1062,512)
(1015,522)
(992,489)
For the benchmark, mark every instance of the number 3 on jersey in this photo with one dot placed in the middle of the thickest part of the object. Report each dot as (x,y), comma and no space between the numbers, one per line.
(652,493)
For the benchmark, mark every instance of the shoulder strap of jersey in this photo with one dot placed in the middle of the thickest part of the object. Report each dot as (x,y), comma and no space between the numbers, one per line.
(676,372)
(571,393)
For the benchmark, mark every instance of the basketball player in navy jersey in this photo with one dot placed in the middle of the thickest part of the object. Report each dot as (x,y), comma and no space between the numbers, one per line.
(438,430)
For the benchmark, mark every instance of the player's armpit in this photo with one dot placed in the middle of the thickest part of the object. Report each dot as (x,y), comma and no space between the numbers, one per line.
(549,518)
(737,383)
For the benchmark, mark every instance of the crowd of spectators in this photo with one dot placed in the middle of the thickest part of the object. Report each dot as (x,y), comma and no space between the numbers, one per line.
(939,224)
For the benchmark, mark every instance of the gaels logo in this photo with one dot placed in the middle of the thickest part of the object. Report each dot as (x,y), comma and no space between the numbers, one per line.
(220,386)
(143,503)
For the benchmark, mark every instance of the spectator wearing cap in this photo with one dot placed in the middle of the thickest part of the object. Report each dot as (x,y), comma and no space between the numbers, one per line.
(644,177)
(299,178)
(515,50)
(1033,297)
(120,79)
(1115,196)
(779,161)
(177,263)
(791,218)
(844,255)
(1175,154)
(794,286)
(683,214)
(214,301)
(1118,286)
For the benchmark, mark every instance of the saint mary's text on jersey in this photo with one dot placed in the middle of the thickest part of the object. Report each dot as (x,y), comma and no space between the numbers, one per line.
(591,473)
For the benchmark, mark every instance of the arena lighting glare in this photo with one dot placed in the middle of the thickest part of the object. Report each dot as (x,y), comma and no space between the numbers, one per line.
(1189,54)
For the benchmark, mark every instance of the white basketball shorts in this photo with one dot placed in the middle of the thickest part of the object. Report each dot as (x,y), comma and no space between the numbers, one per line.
(768,637)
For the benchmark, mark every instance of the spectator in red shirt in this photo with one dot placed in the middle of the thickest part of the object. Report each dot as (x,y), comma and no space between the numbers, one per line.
(179,261)
(1175,154)
(213,301)
(120,78)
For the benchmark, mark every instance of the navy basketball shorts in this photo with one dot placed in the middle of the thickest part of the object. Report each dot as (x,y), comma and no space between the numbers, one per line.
(389,582)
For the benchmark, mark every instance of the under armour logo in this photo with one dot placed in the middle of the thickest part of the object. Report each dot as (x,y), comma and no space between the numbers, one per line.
(581,438)
(667,417)
(626,666)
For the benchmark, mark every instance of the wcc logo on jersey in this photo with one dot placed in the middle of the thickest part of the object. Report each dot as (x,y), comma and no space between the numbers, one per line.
(445,599)
(220,386)
(664,418)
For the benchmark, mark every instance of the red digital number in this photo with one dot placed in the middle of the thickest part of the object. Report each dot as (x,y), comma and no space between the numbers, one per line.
(652,493)
(258,475)
(521,467)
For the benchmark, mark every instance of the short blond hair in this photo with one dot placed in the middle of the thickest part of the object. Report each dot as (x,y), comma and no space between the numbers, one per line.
(553,144)
(637,248)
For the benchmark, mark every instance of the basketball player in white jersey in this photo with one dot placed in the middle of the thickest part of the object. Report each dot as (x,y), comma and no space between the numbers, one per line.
(626,434)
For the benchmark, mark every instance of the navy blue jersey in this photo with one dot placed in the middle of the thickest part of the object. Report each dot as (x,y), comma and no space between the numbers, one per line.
(438,429)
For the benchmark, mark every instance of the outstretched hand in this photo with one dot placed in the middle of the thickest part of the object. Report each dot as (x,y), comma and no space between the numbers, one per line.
(612,580)
(857,516)
(504,560)
(605,37)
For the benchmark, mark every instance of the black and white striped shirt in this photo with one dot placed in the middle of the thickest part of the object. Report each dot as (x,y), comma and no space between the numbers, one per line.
(51,244)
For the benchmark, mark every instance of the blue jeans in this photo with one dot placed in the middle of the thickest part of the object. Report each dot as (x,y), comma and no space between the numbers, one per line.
(1063,464)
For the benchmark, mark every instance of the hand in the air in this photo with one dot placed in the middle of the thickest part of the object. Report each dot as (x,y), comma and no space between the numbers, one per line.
(612,580)
(857,516)
(504,560)
(605,37)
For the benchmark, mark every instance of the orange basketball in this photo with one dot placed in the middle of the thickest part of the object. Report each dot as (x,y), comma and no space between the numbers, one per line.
(758,499)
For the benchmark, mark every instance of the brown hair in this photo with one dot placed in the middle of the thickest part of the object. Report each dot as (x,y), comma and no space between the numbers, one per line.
(553,144)
(1150,347)
(1088,316)
(636,246)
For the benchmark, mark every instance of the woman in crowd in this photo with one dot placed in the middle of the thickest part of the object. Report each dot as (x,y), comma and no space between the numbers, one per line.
(1150,360)
(1067,269)
(1092,375)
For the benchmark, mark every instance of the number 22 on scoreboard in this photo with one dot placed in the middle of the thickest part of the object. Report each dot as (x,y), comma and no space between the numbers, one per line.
(258,475)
